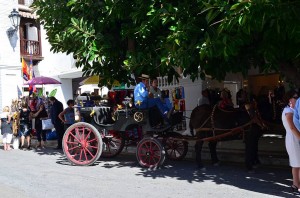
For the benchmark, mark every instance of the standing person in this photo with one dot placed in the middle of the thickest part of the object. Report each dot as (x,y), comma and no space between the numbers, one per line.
(241,98)
(56,109)
(292,135)
(142,100)
(226,102)
(25,125)
(67,116)
(40,115)
(6,128)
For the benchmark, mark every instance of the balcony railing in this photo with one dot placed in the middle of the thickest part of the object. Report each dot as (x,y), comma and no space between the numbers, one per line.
(26,2)
(29,47)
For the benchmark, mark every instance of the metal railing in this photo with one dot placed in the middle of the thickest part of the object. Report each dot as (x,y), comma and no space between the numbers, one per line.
(29,47)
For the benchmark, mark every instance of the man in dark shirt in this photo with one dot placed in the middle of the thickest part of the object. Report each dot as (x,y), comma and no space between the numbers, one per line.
(56,109)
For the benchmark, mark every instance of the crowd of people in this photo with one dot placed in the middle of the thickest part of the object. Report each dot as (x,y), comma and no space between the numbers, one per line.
(25,117)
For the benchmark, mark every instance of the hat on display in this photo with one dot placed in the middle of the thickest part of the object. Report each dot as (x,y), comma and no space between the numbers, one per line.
(144,76)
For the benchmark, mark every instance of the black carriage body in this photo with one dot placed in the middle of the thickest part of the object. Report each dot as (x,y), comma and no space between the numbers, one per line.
(104,117)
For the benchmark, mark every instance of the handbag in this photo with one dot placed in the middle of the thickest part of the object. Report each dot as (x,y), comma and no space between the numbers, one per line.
(47,124)
(16,142)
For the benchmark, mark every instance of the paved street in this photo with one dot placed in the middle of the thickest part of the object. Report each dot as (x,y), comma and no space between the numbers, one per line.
(47,173)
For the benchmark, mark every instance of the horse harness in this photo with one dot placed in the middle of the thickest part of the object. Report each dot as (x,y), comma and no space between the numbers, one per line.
(230,131)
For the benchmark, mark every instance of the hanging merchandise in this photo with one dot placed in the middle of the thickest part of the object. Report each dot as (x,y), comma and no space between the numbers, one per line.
(182,92)
(173,94)
(182,109)
(182,105)
(176,105)
(177,90)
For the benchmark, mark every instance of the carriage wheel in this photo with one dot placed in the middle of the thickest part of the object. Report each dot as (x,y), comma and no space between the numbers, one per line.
(113,144)
(82,144)
(175,149)
(150,153)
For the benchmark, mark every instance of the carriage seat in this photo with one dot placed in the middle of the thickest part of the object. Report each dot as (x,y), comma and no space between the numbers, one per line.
(101,115)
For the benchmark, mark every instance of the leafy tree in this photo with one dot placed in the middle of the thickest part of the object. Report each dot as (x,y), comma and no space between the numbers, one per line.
(115,38)
(259,33)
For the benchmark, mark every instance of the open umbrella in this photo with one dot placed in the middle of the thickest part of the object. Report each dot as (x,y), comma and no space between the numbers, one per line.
(42,80)
(95,80)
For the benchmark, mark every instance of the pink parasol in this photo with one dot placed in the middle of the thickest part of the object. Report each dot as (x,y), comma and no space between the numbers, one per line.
(42,80)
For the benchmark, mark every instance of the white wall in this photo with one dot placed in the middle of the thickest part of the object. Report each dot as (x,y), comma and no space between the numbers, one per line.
(10,62)
(10,66)
(192,92)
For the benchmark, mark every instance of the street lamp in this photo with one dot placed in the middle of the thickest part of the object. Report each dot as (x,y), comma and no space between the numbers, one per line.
(15,21)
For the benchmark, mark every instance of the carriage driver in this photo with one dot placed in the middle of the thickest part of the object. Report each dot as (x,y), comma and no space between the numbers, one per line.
(142,100)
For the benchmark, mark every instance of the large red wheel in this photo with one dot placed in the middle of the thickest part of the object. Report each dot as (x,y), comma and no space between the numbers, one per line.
(150,153)
(176,149)
(82,144)
(113,143)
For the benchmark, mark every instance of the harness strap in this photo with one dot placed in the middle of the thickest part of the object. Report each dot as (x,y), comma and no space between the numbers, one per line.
(219,129)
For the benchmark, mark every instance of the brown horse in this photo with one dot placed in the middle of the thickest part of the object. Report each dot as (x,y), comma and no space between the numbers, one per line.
(213,124)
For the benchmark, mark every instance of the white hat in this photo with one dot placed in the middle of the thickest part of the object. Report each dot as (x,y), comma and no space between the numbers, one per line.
(144,76)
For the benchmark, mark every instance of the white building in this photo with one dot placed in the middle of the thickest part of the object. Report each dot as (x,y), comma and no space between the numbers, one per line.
(30,38)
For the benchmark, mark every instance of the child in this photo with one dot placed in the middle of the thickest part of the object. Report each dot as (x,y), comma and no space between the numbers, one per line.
(6,128)
(25,125)
(67,116)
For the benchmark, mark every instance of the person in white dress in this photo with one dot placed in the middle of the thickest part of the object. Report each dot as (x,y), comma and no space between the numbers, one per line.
(292,138)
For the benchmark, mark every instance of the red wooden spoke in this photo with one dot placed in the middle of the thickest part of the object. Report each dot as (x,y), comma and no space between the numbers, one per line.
(70,149)
(84,151)
(92,140)
(68,142)
(89,152)
(71,134)
(80,156)
(85,139)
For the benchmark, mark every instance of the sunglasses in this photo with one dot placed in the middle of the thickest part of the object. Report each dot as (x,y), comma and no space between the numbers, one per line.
(295,97)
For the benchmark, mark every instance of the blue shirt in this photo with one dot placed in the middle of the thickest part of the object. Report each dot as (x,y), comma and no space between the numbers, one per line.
(141,95)
(296,118)
(69,116)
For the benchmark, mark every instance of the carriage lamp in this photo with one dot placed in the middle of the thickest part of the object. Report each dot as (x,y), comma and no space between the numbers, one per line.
(15,21)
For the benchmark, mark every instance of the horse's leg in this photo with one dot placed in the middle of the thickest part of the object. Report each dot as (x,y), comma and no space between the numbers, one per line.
(258,134)
(191,129)
(213,152)
(198,150)
(251,146)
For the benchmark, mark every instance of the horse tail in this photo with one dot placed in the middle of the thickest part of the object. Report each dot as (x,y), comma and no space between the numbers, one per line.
(191,128)
(190,123)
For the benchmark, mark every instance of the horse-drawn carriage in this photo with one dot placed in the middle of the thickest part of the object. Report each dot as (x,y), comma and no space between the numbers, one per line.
(106,131)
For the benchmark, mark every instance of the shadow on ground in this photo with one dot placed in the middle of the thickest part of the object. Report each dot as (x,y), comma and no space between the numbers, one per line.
(266,180)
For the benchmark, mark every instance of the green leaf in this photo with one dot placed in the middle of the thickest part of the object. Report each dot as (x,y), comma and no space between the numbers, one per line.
(40,93)
(53,93)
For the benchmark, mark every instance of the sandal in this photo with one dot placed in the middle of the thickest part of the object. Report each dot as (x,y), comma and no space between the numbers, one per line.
(294,189)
